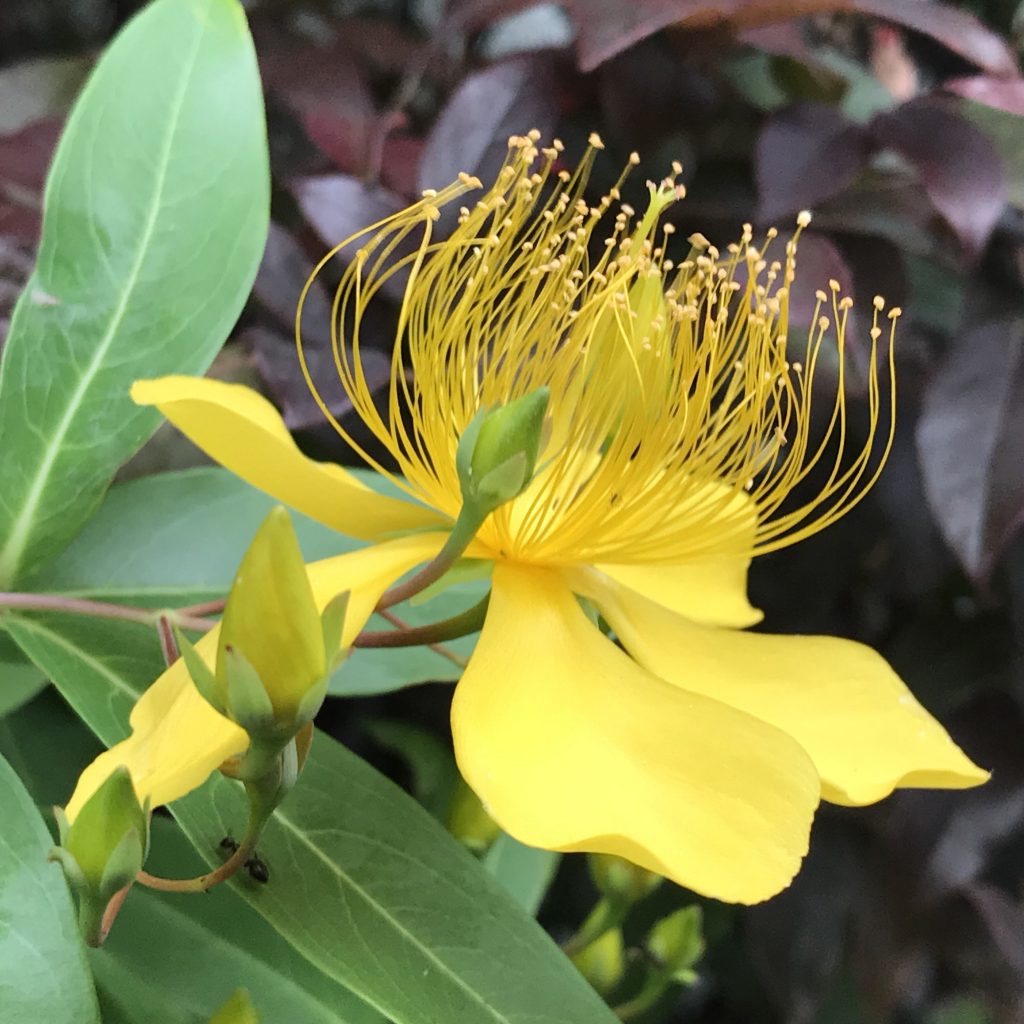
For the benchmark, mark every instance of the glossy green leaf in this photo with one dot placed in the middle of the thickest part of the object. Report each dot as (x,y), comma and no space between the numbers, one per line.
(43,970)
(524,871)
(19,683)
(364,883)
(174,538)
(190,953)
(155,218)
(46,743)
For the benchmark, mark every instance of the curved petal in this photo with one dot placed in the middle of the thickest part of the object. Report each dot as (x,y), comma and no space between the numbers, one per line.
(573,746)
(241,430)
(861,725)
(177,739)
(713,591)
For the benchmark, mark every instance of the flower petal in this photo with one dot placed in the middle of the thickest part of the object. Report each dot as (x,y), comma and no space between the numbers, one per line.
(573,746)
(713,591)
(177,739)
(840,700)
(241,430)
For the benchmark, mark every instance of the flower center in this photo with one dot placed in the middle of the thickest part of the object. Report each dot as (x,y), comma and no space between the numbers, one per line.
(680,421)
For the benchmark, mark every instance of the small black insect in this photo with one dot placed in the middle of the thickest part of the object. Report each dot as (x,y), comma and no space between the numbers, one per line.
(256,866)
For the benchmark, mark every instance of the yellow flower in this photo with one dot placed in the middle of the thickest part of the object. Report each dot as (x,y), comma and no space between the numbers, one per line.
(678,433)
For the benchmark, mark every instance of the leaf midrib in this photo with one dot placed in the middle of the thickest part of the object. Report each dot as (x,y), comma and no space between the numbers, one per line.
(19,535)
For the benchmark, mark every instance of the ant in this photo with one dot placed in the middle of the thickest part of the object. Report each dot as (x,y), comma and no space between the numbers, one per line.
(257,868)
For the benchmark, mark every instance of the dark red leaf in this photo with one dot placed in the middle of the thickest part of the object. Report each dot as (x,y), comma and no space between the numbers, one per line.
(338,205)
(607,27)
(806,154)
(278,364)
(279,282)
(970,440)
(24,160)
(1004,918)
(960,169)
(471,134)
(324,87)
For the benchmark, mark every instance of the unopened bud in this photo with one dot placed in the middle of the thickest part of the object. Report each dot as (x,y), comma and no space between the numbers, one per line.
(619,880)
(103,849)
(603,961)
(677,942)
(275,648)
(498,451)
(469,821)
(237,1010)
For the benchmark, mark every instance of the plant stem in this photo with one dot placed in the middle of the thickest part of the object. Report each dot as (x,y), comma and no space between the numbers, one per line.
(459,539)
(405,635)
(100,609)
(204,883)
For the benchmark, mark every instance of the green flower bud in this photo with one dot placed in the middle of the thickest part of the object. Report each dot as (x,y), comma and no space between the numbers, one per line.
(603,961)
(237,1010)
(498,451)
(272,655)
(677,943)
(469,822)
(103,849)
(619,880)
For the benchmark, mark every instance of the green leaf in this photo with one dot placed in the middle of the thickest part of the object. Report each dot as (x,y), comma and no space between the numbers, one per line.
(524,871)
(19,683)
(363,882)
(46,743)
(155,217)
(172,539)
(43,971)
(191,953)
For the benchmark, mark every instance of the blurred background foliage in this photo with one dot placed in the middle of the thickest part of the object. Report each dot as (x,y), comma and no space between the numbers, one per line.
(901,124)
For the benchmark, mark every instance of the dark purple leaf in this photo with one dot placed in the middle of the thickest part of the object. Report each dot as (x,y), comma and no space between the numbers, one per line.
(471,134)
(805,155)
(278,364)
(1004,918)
(282,274)
(338,205)
(607,27)
(24,159)
(957,165)
(970,440)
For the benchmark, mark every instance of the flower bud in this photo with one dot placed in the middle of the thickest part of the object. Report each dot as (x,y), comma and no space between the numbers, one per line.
(498,451)
(237,1010)
(677,942)
(275,649)
(619,880)
(469,821)
(103,849)
(271,630)
(603,961)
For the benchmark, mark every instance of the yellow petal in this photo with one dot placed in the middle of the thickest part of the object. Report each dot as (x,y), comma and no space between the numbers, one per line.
(177,739)
(573,746)
(241,430)
(713,591)
(840,700)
